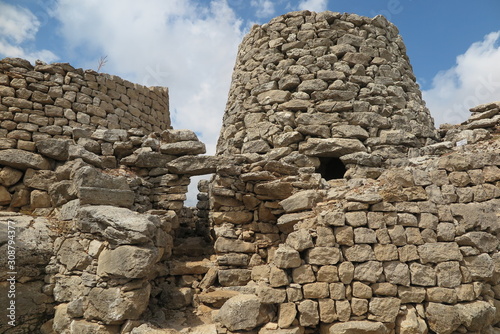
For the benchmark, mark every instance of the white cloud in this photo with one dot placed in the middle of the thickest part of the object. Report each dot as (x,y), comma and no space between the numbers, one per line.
(475,79)
(189,47)
(265,8)
(18,27)
(313,5)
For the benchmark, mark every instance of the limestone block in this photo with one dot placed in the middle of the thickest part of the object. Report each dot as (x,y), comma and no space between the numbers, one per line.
(73,255)
(361,290)
(121,225)
(439,252)
(411,294)
(411,323)
(368,271)
(332,147)
(448,274)
(442,295)
(225,245)
(301,201)
(244,312)
(273,96)
(145,158)
(384,309)
(346,272)
(127,261)
(233,217)
(364,235)
(388,252)
(344,235)
(39,179)
(359,306)
(278,277)
(82,326)
(356,219)
(480,267)
(303,274)
(5,196)
(323,255)
(327,312)
(19,159)
(78,152)
(114,306)
(351,327)
(397,273)
(423,275)
(183,148)
(269,295)
(442,318)
(217,298)
(9,176)
(359,253)
(483,241)
(344,310)
(287,314)
(300,240)
(287,257)
(476,315)
(57,149)
(308,313)
(178,268)
(193,165)
(234,277)
(316,290)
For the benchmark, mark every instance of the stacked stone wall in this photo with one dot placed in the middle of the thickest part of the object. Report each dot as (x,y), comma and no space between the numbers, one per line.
(404,240)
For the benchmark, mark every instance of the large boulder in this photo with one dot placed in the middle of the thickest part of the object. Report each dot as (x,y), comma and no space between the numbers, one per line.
(121,225)
(244,312)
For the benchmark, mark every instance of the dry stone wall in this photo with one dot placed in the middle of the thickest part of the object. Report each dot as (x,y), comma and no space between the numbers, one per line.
(325,85)
(342,209)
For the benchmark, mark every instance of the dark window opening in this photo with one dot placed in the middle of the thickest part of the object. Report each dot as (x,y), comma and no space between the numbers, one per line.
(331,168)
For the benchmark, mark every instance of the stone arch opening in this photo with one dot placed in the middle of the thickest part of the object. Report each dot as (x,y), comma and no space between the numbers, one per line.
(331,168)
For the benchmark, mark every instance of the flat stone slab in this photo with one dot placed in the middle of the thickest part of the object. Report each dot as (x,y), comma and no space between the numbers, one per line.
(21,159)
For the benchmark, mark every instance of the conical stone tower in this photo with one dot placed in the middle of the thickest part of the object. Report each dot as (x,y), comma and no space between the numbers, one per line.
(325,86)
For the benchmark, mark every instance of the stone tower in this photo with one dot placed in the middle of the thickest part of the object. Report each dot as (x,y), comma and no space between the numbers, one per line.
(328,86)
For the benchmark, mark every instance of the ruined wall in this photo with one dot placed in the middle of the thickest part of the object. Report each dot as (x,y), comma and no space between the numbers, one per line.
(403,240)
(92,159)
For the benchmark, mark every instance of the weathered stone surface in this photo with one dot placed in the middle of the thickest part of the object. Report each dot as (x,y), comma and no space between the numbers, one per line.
(483,241)
(225,245)
(183,148)
(300,240)
(286,257)
(356,327)
(286,315)
(308,313)
(197,165)
(411,323)
(115,306)
(384,309)
(244,312)
(10,176)
(323,255)
(442,318)
(476,315)
(332,147)
(127,261)
(301,201)
(57,149)
(233,217)
(234,277)
(118,224)
(20,159)
(439,252)
(217,298)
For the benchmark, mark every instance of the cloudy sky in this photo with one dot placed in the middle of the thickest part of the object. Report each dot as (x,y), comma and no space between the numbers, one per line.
(190,45)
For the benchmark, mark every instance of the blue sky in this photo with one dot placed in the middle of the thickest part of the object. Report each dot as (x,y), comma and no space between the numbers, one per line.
(190,45)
